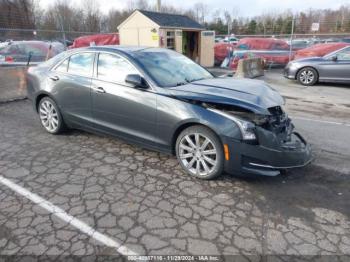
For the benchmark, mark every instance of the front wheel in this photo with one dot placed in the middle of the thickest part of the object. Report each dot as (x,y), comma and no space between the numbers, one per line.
(307,76)
(50,116)
(200,152)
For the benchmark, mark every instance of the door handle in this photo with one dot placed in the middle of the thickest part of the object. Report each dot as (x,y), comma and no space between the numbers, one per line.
(54,78)
(99,89)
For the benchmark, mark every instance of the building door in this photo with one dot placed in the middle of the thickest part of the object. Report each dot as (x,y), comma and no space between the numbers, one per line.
(178,41)
(207,41)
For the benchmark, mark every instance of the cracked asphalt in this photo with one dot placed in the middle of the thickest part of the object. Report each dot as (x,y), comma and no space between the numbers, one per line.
(143,200)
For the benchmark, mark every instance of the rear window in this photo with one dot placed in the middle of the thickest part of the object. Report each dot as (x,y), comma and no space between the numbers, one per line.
(10,50)
(34,49)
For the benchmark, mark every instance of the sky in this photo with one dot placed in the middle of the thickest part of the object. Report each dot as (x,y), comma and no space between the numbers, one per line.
(244,8)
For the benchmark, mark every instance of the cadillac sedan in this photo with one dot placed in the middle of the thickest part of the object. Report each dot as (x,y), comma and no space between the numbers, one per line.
(333,67)
(164,101)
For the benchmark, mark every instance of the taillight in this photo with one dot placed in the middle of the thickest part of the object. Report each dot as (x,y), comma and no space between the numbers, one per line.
(9,59)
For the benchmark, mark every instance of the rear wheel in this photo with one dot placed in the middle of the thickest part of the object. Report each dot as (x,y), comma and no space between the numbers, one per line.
(307,76)
(200,152)
(50,116)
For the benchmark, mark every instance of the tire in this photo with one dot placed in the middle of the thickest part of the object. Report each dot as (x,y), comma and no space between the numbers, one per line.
(307,76)
(204,157)
(50,116)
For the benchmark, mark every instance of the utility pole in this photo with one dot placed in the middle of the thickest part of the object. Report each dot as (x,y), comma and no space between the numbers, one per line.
(159,3)
(264,27)
(62,29)
(291,38)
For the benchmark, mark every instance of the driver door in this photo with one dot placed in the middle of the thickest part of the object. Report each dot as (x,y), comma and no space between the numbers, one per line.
(337,70)
(118,108)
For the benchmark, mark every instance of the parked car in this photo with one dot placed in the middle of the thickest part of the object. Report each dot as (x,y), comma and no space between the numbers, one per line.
(231,40)
(274,52)
(319,50)
(161,99)
(299,44)
(221,51)
(3,44)
(271,58)
(331,40)
(334,67)
(98,39)
(33,51)
(346,40)
(219,39)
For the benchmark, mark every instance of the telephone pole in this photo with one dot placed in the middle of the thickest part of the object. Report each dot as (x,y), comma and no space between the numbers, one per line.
(291,38)
(159,3)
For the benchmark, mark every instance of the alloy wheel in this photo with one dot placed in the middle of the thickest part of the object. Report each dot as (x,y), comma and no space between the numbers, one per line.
(307,76)
(48,116)
(198,154)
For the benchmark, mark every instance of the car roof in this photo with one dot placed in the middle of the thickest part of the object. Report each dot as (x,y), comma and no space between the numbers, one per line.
(122,49)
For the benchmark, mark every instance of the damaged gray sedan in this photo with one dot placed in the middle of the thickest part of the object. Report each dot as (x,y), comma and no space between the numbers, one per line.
(164,101)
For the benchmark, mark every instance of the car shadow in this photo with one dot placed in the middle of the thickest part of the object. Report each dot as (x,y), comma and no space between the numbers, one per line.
(328,84)
(292,194)
(298,191)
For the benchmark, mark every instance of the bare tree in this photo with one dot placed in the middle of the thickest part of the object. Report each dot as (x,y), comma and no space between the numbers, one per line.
(16,14)
(138,4)
(92,16)
(200,11)
(114,19)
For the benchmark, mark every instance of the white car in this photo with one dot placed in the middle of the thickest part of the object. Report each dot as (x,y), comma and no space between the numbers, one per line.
(231,40)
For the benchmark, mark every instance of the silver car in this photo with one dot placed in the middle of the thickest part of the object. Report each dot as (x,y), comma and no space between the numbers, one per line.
(333,67)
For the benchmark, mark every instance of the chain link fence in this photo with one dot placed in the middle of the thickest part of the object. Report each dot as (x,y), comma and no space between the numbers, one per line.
(66,37)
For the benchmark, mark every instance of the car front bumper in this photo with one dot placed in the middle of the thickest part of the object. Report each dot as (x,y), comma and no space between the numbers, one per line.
(267,158)
(290,72)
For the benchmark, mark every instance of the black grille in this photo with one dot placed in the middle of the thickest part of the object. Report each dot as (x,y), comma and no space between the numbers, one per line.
(279,123)
(277,110)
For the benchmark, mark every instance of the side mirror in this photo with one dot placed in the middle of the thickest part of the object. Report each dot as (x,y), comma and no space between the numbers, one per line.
(136,81)
(334,58)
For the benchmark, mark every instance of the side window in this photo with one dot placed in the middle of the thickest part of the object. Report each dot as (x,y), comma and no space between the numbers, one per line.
(11,49)
(81,64)
(63,66)
(344,55)
(113,68)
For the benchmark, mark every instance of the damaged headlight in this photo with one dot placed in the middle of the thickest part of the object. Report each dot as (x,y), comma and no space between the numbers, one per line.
(246,127)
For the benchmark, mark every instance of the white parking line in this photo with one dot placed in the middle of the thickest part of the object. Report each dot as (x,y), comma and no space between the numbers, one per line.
(58,212)
(321,121)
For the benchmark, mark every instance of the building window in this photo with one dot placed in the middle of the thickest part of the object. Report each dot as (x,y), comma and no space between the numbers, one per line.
(170,39)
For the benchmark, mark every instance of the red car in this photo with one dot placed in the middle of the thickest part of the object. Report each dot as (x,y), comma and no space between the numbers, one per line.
(33,51)
(221,51)
(319,50)
(99,39)
(275,52)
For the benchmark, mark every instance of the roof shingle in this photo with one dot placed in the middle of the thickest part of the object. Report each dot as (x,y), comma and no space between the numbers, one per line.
(171,20)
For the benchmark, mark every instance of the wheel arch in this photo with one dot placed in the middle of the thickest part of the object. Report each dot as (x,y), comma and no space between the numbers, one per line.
(185,125)
(39,97)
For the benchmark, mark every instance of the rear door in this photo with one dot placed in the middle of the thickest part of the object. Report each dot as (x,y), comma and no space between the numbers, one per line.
(71,85)
(119,108)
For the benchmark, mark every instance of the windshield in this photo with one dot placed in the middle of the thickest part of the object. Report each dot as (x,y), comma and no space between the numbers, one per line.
(169,68)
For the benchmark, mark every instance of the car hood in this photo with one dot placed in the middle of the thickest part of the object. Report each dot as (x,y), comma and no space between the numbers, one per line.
(253,95)
(308,59)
